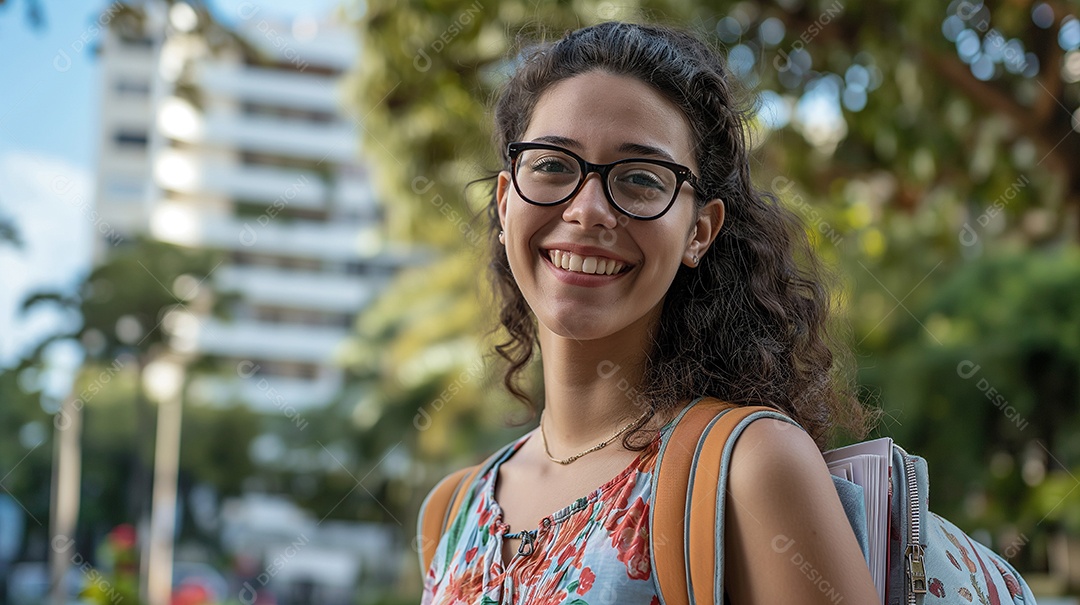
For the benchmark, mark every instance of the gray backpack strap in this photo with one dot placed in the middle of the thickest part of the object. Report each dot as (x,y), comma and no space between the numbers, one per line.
(687,536)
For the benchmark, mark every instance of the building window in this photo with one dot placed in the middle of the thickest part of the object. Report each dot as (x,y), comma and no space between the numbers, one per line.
(247,259)
(132,87)
(130,139)
(288,113)
(136,40)
(292,316)
(124,189)
(250,208)
(357,268)
(251,158)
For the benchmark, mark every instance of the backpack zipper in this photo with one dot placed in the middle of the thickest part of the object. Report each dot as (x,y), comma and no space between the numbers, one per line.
(916,571)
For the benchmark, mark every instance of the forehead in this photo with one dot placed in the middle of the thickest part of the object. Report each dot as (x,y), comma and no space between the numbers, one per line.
(604,112)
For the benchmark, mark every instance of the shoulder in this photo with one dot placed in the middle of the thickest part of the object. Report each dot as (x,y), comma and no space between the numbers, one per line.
(785,515)
(774,454)
(777,471)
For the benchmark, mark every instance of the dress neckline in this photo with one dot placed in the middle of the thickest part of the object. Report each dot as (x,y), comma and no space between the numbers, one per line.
(578,504)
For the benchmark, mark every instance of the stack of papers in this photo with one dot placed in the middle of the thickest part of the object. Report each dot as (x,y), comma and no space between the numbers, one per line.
(868,464)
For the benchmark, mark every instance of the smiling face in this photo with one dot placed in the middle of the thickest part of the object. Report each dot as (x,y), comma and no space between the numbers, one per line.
(586,270)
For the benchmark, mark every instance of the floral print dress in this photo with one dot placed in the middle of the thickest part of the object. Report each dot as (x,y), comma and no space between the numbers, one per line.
(593,551)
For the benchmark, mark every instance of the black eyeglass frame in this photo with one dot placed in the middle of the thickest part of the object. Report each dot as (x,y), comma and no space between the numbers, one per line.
(682,175)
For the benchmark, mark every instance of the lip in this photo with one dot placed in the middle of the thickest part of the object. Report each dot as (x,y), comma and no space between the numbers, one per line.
(574,278)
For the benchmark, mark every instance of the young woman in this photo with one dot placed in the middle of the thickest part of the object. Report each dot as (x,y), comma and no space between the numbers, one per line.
(630,247)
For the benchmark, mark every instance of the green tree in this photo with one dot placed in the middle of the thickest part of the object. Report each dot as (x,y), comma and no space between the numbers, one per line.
(121,308)
(986,390)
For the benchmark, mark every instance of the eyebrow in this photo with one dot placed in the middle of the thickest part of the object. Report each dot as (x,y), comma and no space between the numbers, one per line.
(634,148)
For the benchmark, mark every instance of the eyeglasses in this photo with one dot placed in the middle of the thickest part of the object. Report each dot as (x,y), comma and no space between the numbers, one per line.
(641,188)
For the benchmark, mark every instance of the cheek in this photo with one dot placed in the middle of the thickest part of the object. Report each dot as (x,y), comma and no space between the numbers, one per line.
(663,247)
(522,226)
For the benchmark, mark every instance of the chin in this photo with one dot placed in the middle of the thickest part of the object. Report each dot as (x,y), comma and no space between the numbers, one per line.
(580,326)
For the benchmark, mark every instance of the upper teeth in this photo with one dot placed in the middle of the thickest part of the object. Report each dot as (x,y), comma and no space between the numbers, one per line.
(585,264)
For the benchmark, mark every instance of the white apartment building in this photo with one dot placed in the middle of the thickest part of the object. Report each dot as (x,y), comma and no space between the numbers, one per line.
(252,154)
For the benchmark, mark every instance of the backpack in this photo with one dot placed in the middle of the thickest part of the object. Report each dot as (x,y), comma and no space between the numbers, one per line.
(930,560)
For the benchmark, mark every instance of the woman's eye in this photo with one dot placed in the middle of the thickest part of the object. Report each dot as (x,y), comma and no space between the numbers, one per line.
(643,178)
(551,164)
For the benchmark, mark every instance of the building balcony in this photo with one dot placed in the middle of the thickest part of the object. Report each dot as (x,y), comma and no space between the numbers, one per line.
(248,339)
(187,224)
(128,60)
(270,286)
(275,87)
(330,47)
(270,394)
(335,141)
(120,111)
(191,173)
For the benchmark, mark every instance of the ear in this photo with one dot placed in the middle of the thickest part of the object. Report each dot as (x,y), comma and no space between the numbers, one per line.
(502,192)
(703,231)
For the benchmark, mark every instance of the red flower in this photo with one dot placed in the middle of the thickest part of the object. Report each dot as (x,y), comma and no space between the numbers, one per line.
(585,580)
(631,538)
(937,588)
(190,594)
(471,554)
(465,585)
(122,536)
(616,502)
(485,512)
(637,564)
(566,553)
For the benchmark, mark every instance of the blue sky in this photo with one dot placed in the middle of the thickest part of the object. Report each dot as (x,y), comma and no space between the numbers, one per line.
(44,109)
(48,134)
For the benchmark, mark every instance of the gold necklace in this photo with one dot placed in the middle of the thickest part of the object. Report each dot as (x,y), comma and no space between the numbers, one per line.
(592,449)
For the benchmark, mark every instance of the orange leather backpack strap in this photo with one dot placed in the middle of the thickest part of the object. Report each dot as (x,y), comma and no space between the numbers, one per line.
(436,510)
(442,505)
(687,512)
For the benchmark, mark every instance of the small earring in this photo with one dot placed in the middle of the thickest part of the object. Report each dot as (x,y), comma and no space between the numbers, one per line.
(502,238)
(694,259)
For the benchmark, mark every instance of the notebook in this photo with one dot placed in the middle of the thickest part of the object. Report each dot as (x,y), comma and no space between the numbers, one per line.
(868,464)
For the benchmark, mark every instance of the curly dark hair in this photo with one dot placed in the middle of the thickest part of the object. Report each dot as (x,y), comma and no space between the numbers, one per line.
(750,324)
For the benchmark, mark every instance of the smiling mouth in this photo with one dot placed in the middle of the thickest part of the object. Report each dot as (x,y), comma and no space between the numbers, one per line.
(590,265)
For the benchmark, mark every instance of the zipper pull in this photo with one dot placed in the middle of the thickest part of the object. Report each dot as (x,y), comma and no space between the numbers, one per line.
(916,572)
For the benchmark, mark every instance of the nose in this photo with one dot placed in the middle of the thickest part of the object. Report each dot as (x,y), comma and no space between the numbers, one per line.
(589,207)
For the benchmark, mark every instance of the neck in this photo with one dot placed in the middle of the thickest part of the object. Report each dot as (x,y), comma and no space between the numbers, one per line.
(592,388)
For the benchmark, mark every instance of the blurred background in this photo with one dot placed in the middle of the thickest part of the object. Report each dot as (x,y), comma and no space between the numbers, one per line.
(243,324)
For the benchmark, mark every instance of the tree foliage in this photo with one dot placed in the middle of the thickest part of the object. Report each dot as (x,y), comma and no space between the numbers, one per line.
(119,314)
